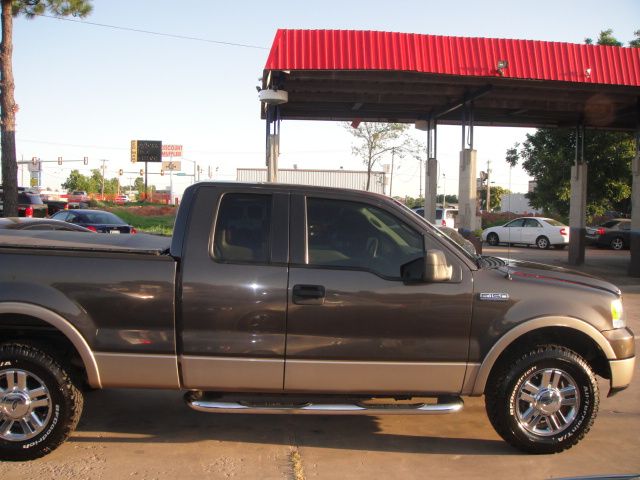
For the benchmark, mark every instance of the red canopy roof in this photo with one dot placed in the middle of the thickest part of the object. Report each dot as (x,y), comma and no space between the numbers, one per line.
(462,56)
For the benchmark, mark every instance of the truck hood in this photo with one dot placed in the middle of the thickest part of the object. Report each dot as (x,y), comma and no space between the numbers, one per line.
(551,273)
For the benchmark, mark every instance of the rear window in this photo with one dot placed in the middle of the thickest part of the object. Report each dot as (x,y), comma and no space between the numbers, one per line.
(29,198)
(609,224)
(554,223)
(101,217)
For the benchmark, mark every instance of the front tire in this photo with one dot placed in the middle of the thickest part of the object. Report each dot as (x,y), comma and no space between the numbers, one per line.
(40,405)
(544,401)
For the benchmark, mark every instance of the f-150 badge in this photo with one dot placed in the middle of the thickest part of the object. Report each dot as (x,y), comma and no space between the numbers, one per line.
(494,297)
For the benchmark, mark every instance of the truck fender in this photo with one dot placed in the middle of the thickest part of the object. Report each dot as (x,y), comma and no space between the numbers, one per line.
(63,326)
(484,369)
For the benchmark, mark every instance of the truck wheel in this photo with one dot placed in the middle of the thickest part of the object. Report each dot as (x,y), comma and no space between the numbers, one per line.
(492,239)
(543,402)
(543,242)
(39,403)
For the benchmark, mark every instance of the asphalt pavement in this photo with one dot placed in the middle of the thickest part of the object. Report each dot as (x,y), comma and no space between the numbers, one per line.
(144,434)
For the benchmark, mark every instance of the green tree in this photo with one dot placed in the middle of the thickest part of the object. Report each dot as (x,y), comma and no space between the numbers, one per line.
(548,155)
(496,193)
(30,9)
(373,140)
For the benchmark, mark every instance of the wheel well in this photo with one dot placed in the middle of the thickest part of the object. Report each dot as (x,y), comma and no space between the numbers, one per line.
(17,328)
(572,339)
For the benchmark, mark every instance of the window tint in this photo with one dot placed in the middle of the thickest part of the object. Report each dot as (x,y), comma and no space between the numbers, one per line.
(438,214)
(350,234)
(64,216)
(29,198)
(242,228)
(554,223)
(516,223)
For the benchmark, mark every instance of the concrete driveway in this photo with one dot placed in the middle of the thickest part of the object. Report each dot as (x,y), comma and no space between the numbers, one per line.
(149,434)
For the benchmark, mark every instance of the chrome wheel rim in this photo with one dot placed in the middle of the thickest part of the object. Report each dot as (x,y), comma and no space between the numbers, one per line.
(547,402)
(617,244)
(543,243)
(25,405)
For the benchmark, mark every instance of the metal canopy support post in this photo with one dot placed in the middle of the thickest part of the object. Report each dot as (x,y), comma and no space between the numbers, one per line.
(272,142)
(431,173)
(578,202)
(467,191)
(634,264)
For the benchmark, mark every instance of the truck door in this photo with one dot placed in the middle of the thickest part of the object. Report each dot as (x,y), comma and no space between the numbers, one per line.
(353,325)
(232,312)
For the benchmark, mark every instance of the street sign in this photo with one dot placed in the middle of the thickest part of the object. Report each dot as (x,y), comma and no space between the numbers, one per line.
(171,166)
(181,174)
(35,165)
(171,150)
(146,151)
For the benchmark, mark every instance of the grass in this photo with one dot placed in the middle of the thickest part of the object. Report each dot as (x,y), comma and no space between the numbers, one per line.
(157,224)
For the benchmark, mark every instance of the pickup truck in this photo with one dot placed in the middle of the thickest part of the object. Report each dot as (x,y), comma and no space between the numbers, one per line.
(292,299)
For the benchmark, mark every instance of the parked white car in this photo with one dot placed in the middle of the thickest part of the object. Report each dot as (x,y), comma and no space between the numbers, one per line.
(539,231)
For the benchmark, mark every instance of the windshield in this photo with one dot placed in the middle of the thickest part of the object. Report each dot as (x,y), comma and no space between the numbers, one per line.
(437,233)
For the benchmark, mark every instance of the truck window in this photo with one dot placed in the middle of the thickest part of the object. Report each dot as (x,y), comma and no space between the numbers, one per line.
(357,235)
(243,228)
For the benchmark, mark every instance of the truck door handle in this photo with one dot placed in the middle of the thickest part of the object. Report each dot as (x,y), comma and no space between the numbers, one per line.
(308,294)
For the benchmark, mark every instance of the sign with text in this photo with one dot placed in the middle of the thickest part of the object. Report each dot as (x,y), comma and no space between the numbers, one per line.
(171,150)
(146,151)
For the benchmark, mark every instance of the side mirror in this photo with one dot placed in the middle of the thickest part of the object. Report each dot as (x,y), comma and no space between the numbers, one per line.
(431,268)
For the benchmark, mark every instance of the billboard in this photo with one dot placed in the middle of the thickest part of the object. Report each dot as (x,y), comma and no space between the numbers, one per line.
(146,151)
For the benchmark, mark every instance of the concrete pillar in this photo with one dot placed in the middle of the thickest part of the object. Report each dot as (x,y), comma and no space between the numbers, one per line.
(578,213)
(431,190)
(634,264)
(273,152)
(467,191)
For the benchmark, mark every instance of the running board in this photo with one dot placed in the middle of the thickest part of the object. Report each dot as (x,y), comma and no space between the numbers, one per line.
(452,405)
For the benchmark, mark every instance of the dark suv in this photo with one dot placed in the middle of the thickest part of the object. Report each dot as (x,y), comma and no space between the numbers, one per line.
(30,204)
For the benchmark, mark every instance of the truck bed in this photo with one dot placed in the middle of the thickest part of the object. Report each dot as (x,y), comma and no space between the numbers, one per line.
(80,241)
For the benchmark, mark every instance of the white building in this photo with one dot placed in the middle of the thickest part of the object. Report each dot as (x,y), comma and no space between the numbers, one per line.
(517,203)
(356,180)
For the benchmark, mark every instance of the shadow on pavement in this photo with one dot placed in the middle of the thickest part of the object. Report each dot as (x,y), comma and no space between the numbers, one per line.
(147,416)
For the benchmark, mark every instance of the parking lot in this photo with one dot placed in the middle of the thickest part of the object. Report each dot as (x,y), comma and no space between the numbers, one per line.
(150,434)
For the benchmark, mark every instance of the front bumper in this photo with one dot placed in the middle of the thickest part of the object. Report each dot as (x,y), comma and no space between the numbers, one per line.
(621,374)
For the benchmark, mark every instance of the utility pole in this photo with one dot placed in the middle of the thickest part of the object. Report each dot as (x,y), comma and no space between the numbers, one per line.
(102,169)
(444,191)
(393,157)
(488,207)
(420,177)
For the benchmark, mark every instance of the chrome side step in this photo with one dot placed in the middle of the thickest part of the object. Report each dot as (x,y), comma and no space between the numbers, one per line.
(452,405)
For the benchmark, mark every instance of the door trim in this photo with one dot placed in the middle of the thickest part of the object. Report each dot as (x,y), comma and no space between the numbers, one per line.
(334,376)
(232,373)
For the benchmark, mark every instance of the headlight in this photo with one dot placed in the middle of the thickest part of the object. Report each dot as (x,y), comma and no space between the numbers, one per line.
(617,314)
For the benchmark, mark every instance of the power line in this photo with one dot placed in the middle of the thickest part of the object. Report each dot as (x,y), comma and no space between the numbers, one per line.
(160,34)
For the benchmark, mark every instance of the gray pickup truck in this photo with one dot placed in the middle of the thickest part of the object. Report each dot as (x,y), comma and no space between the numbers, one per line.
(293,299)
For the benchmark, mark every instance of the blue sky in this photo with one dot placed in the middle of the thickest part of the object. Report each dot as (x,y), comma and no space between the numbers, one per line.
(85,90)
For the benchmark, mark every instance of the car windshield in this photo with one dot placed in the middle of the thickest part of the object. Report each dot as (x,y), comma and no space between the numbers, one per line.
(554,223)
(102,218)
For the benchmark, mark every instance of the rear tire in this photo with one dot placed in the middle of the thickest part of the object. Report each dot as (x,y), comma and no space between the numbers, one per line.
(40,405)
(542,242)
(492,239)
(545,401)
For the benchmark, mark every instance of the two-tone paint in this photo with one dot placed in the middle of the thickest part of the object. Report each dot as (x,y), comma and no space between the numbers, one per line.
(186,320)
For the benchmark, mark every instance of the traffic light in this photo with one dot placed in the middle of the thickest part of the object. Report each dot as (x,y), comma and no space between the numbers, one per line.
(59,160)
(34,160)
(120,172)
(86,160)
(141,172)
(162,173)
